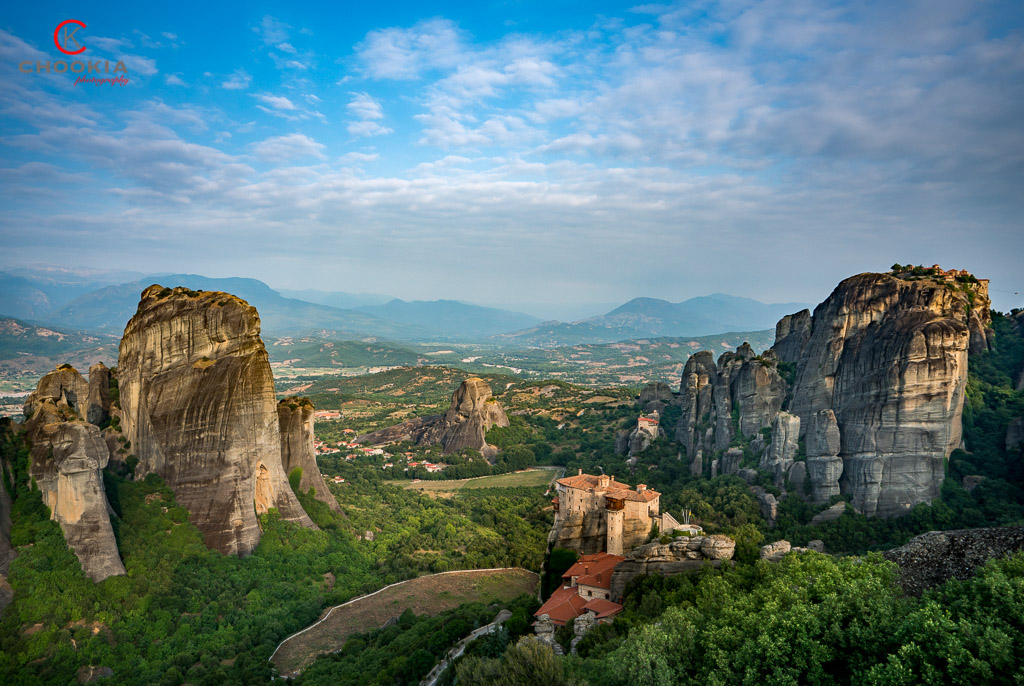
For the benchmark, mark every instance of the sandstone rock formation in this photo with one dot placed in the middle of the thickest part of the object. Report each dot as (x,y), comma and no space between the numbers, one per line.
(295,417)
(64,385)
(98,408)
(824,466)
(937,556)
(791,335)
(67,454)
(682,555)
(473,411)
(831,514)
(879,373)
(708,394)
(409,430)
(773,552)
(199,409)
(655,396)
(888,357)
(778,459)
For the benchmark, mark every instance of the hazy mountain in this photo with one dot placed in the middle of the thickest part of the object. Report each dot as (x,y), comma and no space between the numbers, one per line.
(37,291)
(109,309)
(22,298)
(651,318)
(456,318)
(337,299)
(25,347)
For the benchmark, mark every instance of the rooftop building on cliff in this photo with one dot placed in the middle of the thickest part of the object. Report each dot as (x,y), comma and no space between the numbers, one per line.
(588,506)
(586,587)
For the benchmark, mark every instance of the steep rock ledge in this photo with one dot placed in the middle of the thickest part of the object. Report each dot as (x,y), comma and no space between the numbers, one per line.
(295,417)
(199,407)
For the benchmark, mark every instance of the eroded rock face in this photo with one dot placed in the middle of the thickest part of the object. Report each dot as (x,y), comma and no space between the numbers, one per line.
(888,356)
(98,407)
(295,417)
(64,384)
(655,396)
(199,409)
(67,454)
(824,466)
(72,486)
(683,555)
(472,413)
(709,392)
(778,459)
(937,556)
(791,335)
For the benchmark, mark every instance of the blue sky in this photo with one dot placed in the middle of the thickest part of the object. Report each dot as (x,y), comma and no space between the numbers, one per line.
(522,153)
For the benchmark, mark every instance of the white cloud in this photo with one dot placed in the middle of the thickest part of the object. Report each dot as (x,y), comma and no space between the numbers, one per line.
(404,53)
(367,112)
(287,148)
(364,106)
(173,80)
(278,102)
(273,31)
(238,80)
(137,64)
(367,128)
(359,157)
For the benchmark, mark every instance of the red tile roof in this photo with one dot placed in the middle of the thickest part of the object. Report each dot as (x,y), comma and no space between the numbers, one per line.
(613,489)
(602,608)
(644,496)
(594,570)
(589,482)
(563,605)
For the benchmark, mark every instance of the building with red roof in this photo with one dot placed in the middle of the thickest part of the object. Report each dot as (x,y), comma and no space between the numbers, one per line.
(586,587)
(600,503)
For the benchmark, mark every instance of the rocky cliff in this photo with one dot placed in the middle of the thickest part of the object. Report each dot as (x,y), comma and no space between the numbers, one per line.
(888,357)
(199,409)
(67,454)
(473,411)
(682,555)
(743,382)
(295,418)
(878,375)
(937,556)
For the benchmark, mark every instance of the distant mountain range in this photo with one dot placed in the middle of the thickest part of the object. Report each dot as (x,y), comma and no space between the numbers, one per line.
(89,300)
(337,299)
(471,321)
(26,348)
(652,318)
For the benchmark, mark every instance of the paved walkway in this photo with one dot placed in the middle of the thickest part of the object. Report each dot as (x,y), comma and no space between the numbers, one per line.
(460,647)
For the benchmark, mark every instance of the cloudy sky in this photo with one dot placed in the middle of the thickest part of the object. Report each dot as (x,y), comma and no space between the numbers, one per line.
(520,153)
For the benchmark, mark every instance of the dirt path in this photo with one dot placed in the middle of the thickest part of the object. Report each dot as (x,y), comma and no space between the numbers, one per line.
(429,594)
